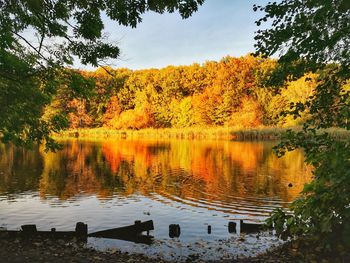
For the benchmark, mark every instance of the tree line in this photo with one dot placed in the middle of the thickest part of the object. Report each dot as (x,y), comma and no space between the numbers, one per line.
(231,92)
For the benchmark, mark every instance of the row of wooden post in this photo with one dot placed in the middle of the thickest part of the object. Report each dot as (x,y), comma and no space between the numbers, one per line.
(175,230)
(129,232)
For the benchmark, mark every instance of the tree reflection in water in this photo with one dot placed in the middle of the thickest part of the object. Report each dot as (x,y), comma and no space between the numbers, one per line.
(214,173)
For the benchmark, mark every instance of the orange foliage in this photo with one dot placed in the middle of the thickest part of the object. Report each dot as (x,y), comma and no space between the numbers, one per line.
(133,119)
(78,116)
(248,116)
(113,111)
(229,92)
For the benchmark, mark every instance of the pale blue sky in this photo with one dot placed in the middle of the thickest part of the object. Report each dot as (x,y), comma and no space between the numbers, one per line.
(219,28)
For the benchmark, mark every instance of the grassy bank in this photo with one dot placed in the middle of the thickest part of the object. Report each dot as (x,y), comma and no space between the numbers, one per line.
(219,133)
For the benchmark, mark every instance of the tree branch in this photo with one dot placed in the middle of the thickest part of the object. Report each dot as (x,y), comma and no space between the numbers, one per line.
(29,44)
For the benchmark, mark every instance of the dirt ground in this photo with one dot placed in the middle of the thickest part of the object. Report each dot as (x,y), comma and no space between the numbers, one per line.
(59,251)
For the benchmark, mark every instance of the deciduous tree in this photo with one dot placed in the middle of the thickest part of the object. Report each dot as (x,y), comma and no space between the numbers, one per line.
(39,38)
(313,36)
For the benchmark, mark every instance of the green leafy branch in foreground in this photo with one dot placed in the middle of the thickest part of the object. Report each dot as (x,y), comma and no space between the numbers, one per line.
(39,39)
(313,36)
(323,209)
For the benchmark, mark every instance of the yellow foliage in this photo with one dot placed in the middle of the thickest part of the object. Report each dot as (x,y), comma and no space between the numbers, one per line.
(229,92)
(296,91)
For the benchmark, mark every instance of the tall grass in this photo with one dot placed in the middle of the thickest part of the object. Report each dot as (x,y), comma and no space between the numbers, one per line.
(219,133)
(216,133)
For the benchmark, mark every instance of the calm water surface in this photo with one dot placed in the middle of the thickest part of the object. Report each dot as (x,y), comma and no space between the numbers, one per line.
(192,183)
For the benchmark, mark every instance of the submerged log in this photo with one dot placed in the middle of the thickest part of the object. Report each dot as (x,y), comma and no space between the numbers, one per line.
(131,233)
(132,230)
(138,239)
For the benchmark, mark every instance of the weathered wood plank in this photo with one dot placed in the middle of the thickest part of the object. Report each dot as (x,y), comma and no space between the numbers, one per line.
(132,230)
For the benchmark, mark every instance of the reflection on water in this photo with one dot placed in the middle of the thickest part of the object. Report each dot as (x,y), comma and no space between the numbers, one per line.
(119,181)
(215,171)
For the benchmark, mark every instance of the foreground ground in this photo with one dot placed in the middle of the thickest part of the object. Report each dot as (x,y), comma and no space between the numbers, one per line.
(59,251)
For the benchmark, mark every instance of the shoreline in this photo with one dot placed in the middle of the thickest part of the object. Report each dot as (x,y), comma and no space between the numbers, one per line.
(219,133)
(60,251)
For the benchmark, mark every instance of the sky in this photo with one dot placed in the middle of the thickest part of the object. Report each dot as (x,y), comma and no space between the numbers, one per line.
(219,28)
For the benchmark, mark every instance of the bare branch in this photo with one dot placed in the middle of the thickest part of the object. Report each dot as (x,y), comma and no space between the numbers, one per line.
(29,44)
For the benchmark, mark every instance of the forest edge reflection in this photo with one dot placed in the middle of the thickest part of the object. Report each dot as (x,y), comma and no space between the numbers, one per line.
(214,172)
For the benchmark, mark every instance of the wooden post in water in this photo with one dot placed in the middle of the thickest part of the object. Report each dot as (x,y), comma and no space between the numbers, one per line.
(174,230)
(29,230)
(232,227)
(81,231)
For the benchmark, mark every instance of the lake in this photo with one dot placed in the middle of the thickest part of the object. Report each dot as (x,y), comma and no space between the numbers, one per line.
(112,183)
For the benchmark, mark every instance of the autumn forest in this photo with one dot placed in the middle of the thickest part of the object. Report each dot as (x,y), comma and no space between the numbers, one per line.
(233,92)
(249,155)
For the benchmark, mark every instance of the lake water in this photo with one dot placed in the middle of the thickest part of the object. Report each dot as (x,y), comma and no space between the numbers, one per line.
(112,183)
